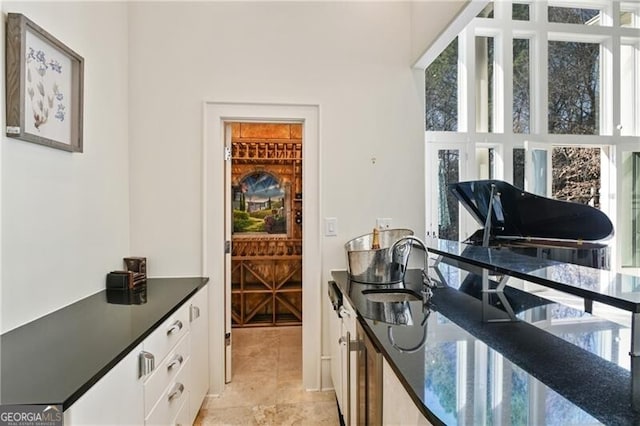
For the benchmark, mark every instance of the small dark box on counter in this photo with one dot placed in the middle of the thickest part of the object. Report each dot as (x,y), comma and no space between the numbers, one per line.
(138,266)
(135,296)
(122,280)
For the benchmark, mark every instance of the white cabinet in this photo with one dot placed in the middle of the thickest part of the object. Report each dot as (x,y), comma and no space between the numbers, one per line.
(171,400)
(335,334)
(165,337)
(162,381)
(167,386)
(199,325)
(343,360)
(397,406)
(116,399)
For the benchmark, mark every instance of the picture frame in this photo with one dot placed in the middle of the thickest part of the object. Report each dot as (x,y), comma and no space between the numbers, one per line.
(44,87)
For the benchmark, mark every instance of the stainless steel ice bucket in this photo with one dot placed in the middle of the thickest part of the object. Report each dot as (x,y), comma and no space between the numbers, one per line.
(378,266)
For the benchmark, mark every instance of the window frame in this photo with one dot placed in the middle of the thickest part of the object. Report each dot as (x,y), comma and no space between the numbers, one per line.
(610,36)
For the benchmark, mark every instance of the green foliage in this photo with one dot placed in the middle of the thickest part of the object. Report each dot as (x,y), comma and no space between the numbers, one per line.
(243,203)
(261,214)
(574,89)
(245,222)
(520,12)
(521,85)
(441,90)
(257,225)
(241,220)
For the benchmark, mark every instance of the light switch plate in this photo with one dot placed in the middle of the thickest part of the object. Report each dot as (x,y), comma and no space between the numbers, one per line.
(330,226)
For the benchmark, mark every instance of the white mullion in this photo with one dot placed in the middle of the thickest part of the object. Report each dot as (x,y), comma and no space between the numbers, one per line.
(500,69)
(506,43)
(580,140)
(469,41)
(446,137)
(580,4)
(466,56)
(504,169)
(610,87)
(539,74)
(636,89)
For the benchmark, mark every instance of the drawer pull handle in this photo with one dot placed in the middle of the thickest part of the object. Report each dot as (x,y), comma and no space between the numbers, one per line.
(177,360)
(176,391)
(194,313)
(146,363)
(177,326)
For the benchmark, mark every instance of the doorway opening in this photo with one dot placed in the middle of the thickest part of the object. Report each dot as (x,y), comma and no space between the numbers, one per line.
(266,240)
(217,229)
(264,185)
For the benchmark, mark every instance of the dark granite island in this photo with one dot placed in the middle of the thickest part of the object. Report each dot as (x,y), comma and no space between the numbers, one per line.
(555,366)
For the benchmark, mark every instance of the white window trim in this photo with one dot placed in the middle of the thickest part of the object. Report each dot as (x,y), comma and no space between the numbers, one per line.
(609,35)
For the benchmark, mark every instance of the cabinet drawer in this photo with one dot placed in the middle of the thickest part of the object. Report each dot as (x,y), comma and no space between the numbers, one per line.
(160,342)
(182,418)
(172,399)
(165,372)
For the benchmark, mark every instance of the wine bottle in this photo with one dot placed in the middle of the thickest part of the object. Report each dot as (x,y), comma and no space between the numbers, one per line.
(375,244)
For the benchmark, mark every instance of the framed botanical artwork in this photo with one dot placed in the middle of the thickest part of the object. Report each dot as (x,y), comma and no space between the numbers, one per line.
(44,85)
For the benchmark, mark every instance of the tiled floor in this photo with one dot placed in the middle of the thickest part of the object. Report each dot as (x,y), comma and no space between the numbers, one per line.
(266,386)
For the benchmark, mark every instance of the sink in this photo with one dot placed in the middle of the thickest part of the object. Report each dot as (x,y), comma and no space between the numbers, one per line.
(391,295)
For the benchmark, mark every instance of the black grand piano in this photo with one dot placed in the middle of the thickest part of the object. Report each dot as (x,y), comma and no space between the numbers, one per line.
(534,225)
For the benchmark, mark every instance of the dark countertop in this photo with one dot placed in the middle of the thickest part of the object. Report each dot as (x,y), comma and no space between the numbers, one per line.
(57,358)
(555,366)
(614,289)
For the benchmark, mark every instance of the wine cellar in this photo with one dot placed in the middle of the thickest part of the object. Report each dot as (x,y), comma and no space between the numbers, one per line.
(266,256)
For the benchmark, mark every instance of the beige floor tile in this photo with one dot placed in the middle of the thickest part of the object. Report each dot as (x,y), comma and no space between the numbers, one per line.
(245,393)
(308,414)
(291,392)
(259,415)
(266,387)
(289,372)
(290,356)
(251,365)
(291,336)
(269,347)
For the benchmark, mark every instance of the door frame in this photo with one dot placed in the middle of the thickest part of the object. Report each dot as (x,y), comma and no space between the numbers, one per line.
(215,114)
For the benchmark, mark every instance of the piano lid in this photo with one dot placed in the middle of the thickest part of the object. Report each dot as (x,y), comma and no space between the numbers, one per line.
(519,214)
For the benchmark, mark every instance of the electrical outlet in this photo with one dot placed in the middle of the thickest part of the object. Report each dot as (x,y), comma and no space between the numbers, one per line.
(383,222)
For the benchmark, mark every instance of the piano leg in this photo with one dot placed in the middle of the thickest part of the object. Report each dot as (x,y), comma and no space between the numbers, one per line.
(499,291)
(441,282)
(588,306)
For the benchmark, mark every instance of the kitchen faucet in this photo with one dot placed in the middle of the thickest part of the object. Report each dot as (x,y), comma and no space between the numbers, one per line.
(427,284)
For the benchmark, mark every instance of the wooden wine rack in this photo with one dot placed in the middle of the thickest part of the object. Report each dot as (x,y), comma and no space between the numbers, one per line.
(266,277)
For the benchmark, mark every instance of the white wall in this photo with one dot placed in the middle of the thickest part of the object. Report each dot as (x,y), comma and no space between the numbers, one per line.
(428,20)
(351,58)
(65,217)
(148,67)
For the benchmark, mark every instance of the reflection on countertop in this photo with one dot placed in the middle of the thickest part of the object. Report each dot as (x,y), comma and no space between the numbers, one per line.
(555,366)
